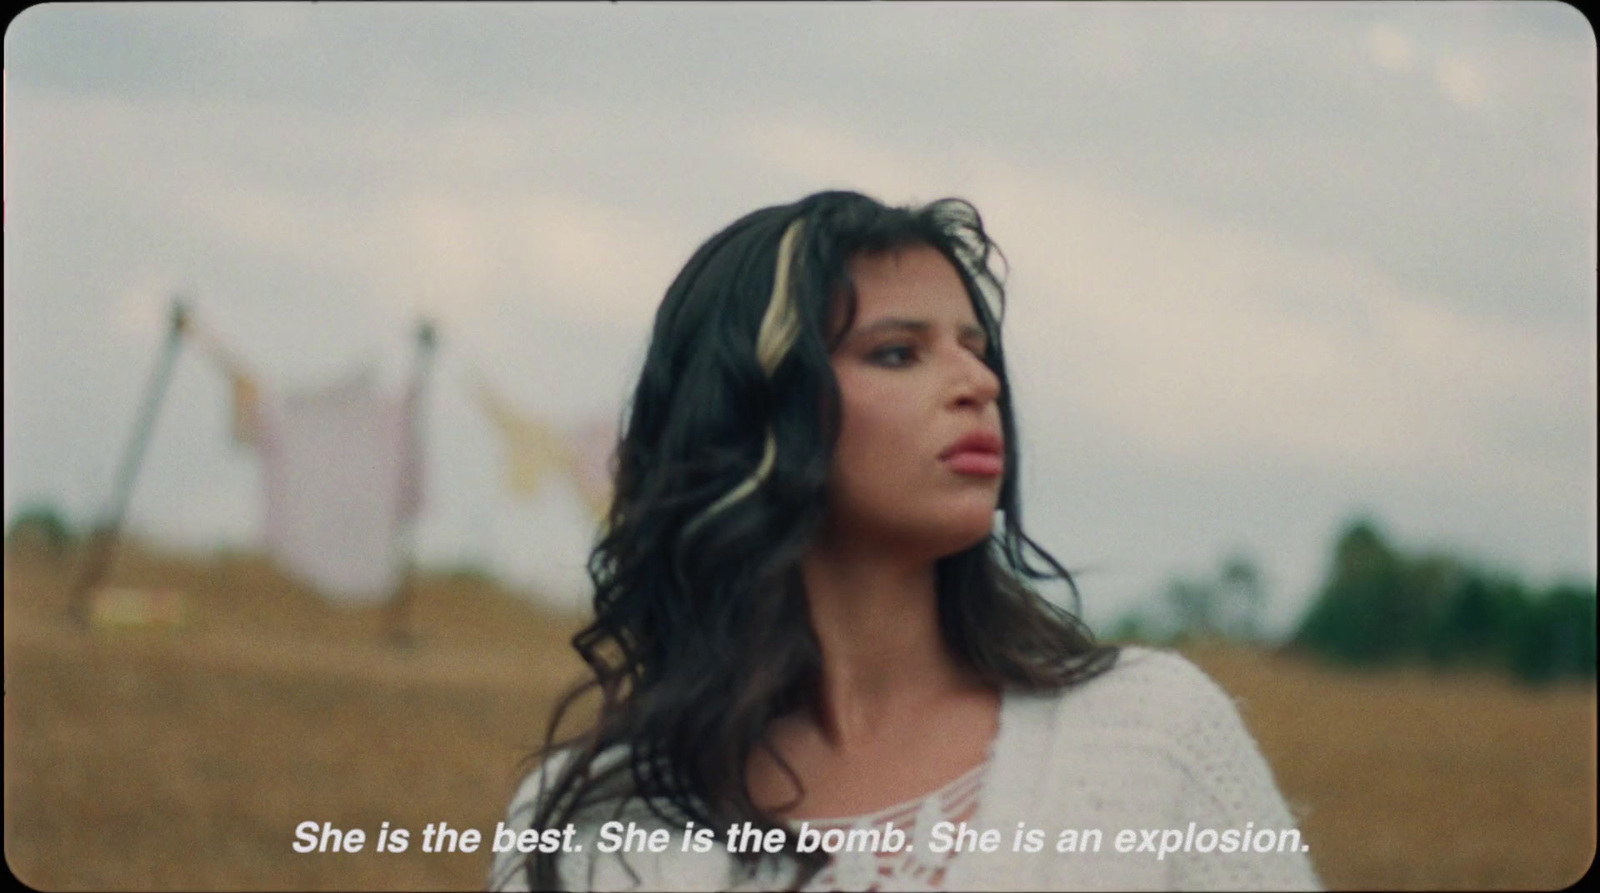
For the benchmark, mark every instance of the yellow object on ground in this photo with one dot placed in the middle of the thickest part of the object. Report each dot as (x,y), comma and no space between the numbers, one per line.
(123,606)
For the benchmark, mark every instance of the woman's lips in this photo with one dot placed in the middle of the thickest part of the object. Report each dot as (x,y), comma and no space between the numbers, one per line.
(976,462)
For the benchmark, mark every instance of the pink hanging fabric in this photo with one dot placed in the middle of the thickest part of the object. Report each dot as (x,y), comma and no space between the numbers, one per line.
(342,473)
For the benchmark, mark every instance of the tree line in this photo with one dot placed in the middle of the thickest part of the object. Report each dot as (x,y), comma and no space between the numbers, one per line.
(1380,606)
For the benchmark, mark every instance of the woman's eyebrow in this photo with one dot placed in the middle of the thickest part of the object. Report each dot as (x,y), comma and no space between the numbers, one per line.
(917,326)
(967,331)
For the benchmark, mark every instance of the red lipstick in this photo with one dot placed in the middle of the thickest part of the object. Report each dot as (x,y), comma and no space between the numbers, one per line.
(981,453)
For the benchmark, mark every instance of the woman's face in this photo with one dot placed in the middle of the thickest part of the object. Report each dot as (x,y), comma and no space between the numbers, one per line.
(919,461)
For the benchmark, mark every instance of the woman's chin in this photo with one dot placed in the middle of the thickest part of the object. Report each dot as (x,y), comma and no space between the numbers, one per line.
(929,531)
(962,533)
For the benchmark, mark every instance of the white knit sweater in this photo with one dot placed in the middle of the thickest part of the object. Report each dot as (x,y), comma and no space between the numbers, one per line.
(1140,753)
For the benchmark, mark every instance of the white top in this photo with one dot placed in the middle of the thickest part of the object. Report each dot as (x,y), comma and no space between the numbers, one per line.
(912,867)
(1152,755)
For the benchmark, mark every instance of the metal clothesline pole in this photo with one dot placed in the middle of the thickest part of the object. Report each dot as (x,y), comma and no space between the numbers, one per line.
(398,615)
(103,541)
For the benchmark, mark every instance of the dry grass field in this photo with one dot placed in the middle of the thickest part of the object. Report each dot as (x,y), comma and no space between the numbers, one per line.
(175,759)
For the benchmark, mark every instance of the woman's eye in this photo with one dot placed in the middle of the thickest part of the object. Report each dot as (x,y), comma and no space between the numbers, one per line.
(894,355)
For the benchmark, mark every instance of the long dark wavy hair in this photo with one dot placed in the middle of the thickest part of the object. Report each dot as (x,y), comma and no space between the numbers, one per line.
(701,636)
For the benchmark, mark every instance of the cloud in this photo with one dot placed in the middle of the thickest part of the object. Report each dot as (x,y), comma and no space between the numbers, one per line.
(828,156)
(486,233)
(1206,341)
(1460,82)
(1209,342)
(271,23)
(454,219)
(457,255)
(141,310)
(1242,237)
(1389,48)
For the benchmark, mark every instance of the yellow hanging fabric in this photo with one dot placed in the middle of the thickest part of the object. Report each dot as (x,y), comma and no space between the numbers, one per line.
(245,416)
(533,449)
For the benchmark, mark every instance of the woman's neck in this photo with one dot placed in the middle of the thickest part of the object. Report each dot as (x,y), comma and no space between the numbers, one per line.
(884,657)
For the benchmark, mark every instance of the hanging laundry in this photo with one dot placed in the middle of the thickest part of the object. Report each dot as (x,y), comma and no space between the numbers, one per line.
(411,467)
(246,420)
(534,450)
(342,472)
(594,445)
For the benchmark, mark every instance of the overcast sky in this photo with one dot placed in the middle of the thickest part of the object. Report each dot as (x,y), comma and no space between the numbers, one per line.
(1271,265)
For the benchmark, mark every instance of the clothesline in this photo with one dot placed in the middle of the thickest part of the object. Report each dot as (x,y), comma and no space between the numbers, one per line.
(342,466)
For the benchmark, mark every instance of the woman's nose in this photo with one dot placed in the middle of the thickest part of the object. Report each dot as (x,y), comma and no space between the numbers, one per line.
(976,384)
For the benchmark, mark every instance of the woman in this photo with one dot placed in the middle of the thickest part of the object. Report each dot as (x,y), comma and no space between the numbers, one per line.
(808,619)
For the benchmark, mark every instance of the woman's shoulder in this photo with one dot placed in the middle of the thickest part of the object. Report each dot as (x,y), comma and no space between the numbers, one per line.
(1147,693)
(542,780)
(1154,711)
(1158,704)
(590,864)
(1145,676)
(535,785)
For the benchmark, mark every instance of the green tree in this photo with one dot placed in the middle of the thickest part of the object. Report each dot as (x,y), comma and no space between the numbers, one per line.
(1557,636)
(1194,608)
(40,523)
(1379,606)
(1362,615)
(1242,598)
(1474,621)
